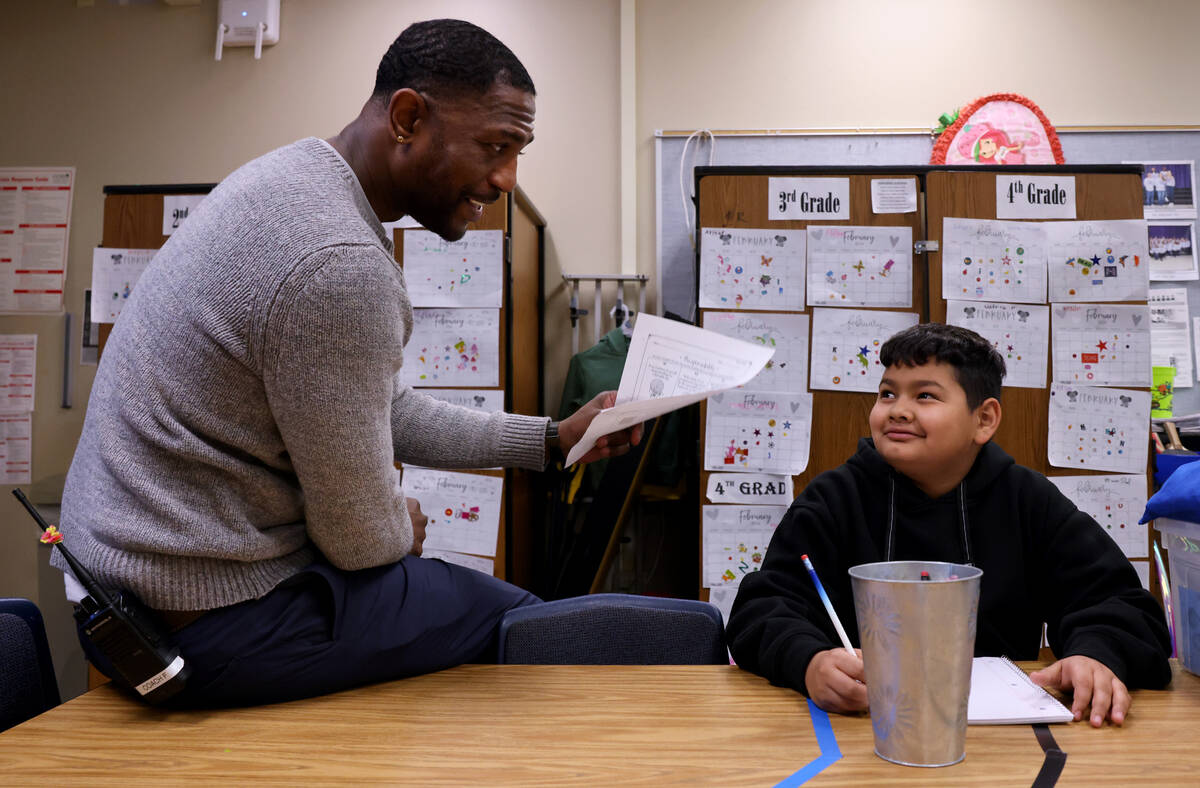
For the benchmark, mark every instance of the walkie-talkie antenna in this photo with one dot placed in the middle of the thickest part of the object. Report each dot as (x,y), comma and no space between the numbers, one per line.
(81,574)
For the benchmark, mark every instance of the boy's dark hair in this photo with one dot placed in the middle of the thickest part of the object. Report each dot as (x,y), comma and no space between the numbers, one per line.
(978,368)
(448,57)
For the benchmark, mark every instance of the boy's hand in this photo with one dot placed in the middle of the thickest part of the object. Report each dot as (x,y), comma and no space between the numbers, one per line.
(835,681)
(1093,685)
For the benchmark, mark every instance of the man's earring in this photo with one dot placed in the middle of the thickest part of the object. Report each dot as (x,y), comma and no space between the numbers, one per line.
(400,138)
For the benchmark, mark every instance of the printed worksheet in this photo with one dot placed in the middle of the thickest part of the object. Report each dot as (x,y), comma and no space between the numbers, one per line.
(991,260)
(463,508)
(1115,502)
(1101,344)
(1098,261)
(1098,429)
(765,431)
(463,273)
(486,400)
(787,335)
(859,266)
(485,565)
(453,347)
(735,540)
(16,441)
(1170,341)
(115,272)
(756,488)
(18,371)
(1020,332)
(845,347)
(751,269)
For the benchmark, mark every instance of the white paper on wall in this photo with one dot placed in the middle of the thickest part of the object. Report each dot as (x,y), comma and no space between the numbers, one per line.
(751,269)
(1101,344)
(463,508)
(1116,502)
(846,345)
(787,335)
(1098,429)
(1098,261)
(986,260)
(859,266)
(735,540)
(764,431)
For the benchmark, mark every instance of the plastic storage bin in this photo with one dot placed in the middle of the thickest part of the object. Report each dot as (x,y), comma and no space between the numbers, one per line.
(1182,540)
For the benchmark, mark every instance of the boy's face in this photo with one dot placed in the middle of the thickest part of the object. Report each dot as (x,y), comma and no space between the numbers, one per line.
(923,428)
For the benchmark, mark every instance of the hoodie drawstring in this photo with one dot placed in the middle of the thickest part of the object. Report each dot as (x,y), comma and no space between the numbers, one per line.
(962,518)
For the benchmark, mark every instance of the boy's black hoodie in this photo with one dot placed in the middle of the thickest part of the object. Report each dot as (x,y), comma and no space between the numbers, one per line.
(1042,559)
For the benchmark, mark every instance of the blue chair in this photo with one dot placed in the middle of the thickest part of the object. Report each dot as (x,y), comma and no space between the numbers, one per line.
(27,683)
(614,629)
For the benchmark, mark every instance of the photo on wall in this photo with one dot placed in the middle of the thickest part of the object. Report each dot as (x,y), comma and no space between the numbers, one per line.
(1172,251)
(1168,189)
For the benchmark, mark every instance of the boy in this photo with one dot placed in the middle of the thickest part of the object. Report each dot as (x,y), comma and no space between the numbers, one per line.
(930,485)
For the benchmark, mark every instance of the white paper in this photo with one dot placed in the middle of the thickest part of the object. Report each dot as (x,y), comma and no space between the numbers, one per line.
(1172,251)
(1101,344)
(859,266)
(35,224)
(486,400)
(18,371)
(1170,340)
(1143,570)
(753,488)
(485,565)
(893,195)
(1098,261)
(464,273)
(176,210)
(735,540)
(723,599)
(1001,694)
(115,272)
(1115,502)
(463,508)
(985,260)
(16,432)
(1035,196)
(1098,429)
(1196,341)
(453,347)
(1019,332)
(787,335)
(670,365)
(751,269)
(1168,189)
(808,198)
(846,345)
(765,431)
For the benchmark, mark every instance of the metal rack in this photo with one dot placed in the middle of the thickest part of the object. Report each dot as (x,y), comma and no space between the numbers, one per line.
(597,281)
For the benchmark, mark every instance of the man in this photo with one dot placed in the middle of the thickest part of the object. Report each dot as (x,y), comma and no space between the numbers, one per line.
(236,470)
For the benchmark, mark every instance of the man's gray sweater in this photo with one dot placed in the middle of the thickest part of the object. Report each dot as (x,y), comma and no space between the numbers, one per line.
(247,411)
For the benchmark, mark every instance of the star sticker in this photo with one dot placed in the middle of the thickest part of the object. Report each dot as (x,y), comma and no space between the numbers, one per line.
(1010,347)
(1096,260)
(1006,259)
(787,425)
(863,350)
(1102,345)
(770,435)
(757,432)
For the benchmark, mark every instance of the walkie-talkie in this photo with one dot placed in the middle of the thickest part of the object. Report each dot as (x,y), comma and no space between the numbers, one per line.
(123,631)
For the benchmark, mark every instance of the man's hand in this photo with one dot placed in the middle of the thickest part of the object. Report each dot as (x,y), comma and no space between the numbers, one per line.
(835,681)
(419,520)
(615,444)
(1093,685)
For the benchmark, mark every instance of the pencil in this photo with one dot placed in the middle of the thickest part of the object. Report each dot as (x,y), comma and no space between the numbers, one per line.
(837,624)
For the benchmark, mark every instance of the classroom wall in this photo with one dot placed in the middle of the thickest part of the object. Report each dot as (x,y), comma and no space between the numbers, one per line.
(805,64)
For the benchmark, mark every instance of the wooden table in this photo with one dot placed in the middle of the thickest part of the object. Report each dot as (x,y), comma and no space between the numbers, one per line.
(558,726)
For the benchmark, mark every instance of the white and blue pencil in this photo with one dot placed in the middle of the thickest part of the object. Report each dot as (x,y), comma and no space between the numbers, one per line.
(837,624)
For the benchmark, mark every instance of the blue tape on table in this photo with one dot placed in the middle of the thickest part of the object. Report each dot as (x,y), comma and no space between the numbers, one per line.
(826,741)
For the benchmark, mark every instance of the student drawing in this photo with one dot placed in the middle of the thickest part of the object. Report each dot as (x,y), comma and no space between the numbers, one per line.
(735,540)
(1019,332)
(752,269)
(1116,502)
(758,431)
(787,335)
(463,508)
(1098,429)
(859,266)
(987,260)
(453,347)
(1101,344)
(1098,261)
(463,273)
(845,347)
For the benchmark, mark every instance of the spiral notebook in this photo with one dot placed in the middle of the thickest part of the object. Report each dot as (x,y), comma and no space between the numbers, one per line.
(1001,694)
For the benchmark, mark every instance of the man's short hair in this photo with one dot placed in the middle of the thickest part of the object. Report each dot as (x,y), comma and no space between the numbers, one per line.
(444,57)
(978,368)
